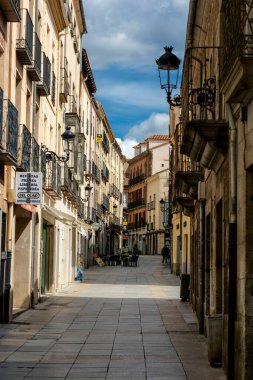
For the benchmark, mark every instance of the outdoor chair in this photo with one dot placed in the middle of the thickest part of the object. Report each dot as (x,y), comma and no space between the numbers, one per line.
(134,261)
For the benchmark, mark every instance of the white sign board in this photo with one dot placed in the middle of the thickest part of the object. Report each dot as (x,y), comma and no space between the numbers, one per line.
(28,188)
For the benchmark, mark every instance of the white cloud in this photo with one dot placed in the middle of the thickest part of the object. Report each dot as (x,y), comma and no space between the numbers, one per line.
(135,94)
(157,123)
(132,33)
(126,146)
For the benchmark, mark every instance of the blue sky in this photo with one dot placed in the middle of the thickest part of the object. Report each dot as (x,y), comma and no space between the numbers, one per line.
(124,39)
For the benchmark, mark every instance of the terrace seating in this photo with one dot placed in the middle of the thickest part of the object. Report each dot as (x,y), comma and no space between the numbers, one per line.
(133,261)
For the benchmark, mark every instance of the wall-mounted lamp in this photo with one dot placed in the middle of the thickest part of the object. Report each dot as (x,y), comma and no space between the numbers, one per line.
(68,138)
(87,189)
(162,203)
(164,207)
(166,63)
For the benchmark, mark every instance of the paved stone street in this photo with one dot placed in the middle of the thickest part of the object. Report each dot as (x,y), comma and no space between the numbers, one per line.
(121,323)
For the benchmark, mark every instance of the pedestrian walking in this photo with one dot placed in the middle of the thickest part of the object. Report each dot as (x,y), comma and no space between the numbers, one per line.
(165,254)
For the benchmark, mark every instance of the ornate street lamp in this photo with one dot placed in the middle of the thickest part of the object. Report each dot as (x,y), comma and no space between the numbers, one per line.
(87,189)
(167,63)
(68,138)
(165,208)
(162,203)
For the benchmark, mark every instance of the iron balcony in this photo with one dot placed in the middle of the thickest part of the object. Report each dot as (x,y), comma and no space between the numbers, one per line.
(8,132)
(34,71)
(11,9)
(24,44)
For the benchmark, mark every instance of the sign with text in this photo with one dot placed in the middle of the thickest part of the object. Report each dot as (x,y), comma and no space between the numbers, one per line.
(28,188)
(99,138)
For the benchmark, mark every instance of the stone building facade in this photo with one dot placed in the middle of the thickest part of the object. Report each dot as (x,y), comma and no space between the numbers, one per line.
(146,171)
(216,127)
(47,93)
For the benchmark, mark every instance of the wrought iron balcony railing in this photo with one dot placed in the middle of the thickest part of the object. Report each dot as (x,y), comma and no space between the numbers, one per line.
(105,173)
(75,41)
(88,169)
(9,134)
(201,87)
(85,161)
(66,179)
(53,88)
(24,148)
(68,10)
(24,43)
(237,32)
(52,179)
(105,143)
(151,206)
(34,71)
(74,191)
(114,220)
(114,191)
(64,85)
(96,172)
(137,179)
(136,225)
(105,202)
(43,88)
(93,214)
(78,153)
(204,128)
(99,211)
(185,164)
(11,9)
(80,209)
(71,117)
(137,203)
(35,155)
(150,226)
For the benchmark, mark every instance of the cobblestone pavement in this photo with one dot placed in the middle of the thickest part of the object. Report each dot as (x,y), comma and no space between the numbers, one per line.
(121,323)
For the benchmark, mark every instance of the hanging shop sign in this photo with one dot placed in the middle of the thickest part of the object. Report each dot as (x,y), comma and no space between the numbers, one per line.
(99,138)
(28,188)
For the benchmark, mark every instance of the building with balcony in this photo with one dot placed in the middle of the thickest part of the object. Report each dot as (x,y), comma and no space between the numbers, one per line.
(183,187)
(151,157)
(214,186)
(47,90)
(156,219)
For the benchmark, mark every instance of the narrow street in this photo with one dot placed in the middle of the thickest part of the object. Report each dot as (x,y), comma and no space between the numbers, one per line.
(121,323)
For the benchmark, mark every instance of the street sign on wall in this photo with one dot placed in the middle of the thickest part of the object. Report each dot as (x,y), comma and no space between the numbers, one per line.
(99,138)
(28,188)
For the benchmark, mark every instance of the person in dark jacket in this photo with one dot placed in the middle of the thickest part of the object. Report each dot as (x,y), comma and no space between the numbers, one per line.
(165,254)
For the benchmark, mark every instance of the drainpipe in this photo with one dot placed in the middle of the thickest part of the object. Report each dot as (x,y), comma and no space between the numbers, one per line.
(33,136)
(6,312)
(202,203)
(233,173)
(232,254)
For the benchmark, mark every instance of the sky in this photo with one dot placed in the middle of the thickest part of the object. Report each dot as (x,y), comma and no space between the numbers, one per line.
(124,39)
